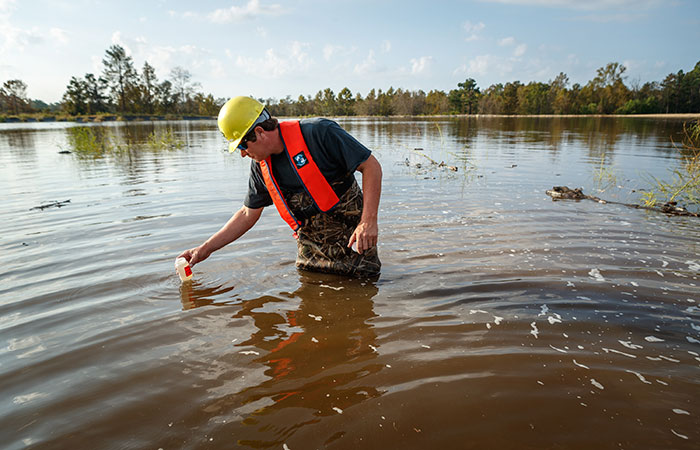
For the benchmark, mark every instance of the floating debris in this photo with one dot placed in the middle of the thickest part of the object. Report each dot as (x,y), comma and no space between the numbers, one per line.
(552,319)
(682,436)
(331,287)
(581,365)
(612,350)
(566,193)
(639,375)
(52,204)
(595,273)
(535,332)
(630,345)
(433,163)
(558,349)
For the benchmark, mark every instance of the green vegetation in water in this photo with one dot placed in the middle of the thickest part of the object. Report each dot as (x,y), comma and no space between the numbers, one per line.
(89,141)
(164,140)
(99,141)
(684,185)
(605,177)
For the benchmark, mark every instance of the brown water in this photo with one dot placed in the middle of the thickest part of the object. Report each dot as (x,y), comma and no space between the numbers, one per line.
(501,319)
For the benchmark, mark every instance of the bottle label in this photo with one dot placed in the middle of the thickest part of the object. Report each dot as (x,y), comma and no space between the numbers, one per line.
(188,270)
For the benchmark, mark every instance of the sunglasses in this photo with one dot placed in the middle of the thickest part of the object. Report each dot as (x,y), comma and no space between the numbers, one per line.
(243,145)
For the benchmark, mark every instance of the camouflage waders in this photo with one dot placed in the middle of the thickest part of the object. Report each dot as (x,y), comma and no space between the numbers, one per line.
(323,238)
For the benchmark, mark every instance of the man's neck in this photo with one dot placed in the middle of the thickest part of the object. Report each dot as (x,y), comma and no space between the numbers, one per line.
(276,141)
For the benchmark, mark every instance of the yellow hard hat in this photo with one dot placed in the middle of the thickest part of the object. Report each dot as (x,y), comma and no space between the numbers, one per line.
(237,117)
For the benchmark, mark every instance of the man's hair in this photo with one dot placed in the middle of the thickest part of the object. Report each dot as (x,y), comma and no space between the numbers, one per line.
(267,125)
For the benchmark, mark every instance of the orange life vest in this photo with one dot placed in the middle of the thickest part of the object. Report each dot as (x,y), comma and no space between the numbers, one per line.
(309,174)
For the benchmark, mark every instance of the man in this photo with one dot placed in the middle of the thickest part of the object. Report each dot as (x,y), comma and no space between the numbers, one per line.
(306,169)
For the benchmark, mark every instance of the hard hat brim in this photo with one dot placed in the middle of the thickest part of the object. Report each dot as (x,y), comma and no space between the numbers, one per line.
(264,115)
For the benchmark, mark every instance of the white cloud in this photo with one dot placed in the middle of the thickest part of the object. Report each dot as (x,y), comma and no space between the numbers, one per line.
(420,65)
(480,65)
(117,40)
(485,65)
(15,38)
(626,16)
(584,5)
(237,13)
(96,64)
(367,65)
(386,46)
(59,35)
(506,41)
(162,58)
(473,30)
(6,5)
(510,41)
(294,59)
(217,69)
(12,37)
(329,50)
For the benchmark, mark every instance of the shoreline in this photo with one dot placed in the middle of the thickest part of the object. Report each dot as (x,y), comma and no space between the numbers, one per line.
(39,117)
(97,118)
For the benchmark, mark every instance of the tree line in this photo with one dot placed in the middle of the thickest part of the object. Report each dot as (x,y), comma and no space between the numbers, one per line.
(119,89)
(606,93)
(122,89)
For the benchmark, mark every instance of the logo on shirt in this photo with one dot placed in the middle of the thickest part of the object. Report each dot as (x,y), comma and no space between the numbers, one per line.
(300,160)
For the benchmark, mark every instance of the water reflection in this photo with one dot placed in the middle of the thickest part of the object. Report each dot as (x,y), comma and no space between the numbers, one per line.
(316,343)
(21,144)
(194,294)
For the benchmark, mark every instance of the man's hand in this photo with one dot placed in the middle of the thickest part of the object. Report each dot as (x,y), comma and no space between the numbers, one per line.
(197,254)
(366,232)
(365,235)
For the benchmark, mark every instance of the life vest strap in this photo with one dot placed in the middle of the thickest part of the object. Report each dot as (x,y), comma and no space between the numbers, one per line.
(315,184)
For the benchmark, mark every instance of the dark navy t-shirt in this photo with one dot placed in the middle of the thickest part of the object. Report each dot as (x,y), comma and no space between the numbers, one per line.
(336,153)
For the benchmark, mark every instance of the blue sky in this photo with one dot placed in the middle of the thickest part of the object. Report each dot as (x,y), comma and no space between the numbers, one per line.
(275,48)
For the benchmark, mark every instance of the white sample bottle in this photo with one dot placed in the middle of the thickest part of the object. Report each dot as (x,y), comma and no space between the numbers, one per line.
(183,269)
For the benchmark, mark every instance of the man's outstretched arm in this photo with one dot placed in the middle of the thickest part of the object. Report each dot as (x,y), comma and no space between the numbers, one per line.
(241,221)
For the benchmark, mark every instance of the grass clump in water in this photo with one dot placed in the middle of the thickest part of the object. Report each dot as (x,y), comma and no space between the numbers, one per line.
(684,186)
(605,177)
(89,141)
(164,140)
(100,141)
